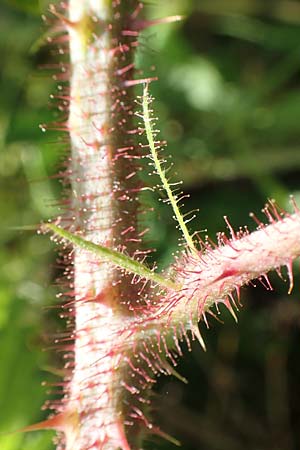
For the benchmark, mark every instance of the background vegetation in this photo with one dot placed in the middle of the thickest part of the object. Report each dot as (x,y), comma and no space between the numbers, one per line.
(228,102)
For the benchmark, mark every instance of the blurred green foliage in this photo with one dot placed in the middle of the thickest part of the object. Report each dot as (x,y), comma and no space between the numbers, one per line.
(228,102)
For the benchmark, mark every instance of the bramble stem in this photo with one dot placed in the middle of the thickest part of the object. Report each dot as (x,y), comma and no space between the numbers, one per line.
(104,189)
(126,331)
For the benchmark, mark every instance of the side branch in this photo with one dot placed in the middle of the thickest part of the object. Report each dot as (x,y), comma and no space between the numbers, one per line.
(214,275)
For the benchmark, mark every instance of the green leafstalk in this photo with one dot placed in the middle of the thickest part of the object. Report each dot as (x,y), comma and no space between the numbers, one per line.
(113,256)
(160,171)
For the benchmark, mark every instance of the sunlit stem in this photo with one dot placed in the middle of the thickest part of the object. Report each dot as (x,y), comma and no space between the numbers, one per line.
(160,171)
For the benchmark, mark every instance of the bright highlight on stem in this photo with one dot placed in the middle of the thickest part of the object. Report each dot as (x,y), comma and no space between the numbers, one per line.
(113,256)
(160,171)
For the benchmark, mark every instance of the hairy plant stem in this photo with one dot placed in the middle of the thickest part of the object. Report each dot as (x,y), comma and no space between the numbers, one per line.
(129,321)
(104,210)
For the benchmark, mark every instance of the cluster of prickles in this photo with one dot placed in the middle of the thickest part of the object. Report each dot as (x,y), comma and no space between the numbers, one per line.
(127,323)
